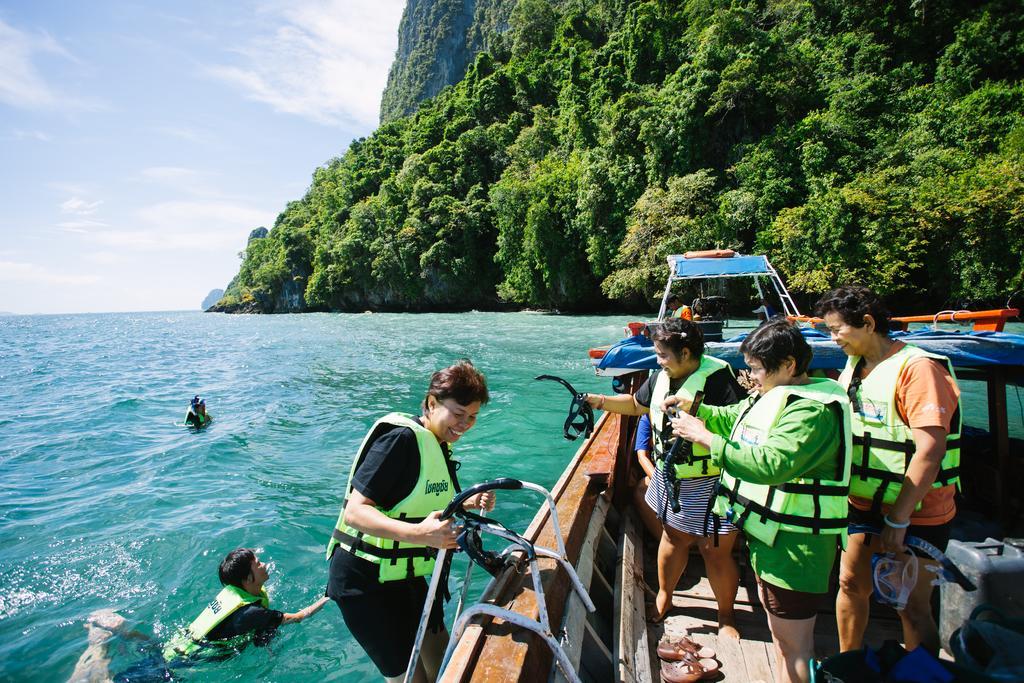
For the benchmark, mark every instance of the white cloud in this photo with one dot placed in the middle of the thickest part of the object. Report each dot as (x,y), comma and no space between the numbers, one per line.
(173,175)
(32,135)
(188,181)
(21,83)
(326,61)
(184,133)
(186,225)
(83,226)
(30,273)
(104,258)
(79,206)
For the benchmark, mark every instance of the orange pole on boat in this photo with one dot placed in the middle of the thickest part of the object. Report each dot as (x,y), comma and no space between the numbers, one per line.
(984,321)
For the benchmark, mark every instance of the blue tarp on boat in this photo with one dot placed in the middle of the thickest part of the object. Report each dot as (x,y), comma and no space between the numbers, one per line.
(721,267)
(965,349)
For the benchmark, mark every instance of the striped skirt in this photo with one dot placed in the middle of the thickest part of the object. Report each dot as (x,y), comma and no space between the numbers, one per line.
(694,495)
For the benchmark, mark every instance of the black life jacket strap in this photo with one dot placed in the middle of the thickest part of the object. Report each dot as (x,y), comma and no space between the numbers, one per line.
(817,524)
(867,440)
(356,544)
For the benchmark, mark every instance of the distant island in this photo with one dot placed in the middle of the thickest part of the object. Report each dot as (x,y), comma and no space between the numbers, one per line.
(213,297)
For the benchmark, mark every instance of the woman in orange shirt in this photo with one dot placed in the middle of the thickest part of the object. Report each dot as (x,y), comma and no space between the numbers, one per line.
(904,400)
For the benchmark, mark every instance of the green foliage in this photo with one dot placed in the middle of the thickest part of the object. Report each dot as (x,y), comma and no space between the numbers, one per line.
(878,142)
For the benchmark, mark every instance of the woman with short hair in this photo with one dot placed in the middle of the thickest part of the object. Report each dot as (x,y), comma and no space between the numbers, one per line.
(389,528)
(906,457)
(784,456)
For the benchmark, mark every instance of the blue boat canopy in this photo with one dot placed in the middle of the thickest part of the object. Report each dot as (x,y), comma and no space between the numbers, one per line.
(964,349)
(737,266)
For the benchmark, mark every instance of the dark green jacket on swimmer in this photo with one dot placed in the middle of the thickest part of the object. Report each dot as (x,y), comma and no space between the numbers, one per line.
(197,420)
(228,601)
(700,464)
(434,489)
(883,444)
(802,505)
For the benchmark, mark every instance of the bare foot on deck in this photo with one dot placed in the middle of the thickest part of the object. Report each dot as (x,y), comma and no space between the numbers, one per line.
(727,629)
(657,612)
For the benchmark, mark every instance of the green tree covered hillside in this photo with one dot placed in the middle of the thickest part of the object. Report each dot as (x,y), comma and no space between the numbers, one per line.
(879,141)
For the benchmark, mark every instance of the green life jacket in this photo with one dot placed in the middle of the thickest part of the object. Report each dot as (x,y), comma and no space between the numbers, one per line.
(883,444)
(803,505)
(228,601)
(434,489)
(700,464)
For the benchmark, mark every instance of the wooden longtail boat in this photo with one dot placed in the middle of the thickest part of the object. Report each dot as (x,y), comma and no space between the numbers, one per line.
(606,543)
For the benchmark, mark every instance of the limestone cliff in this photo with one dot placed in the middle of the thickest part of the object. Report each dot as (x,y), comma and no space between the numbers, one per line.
(437,41)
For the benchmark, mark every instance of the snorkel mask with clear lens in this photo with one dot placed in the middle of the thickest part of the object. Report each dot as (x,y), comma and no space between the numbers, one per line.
(893,578)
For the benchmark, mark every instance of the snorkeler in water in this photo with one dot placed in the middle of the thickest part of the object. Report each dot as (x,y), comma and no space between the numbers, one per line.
(197,416)
(238,615)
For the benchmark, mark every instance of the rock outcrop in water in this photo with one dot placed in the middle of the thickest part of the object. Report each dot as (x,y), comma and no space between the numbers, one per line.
(213,297)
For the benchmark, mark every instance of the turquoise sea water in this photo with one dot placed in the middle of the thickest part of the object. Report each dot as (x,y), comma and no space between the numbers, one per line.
(106,501)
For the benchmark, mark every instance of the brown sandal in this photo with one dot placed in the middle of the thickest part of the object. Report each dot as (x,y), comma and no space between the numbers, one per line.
(688,671)
(678,649)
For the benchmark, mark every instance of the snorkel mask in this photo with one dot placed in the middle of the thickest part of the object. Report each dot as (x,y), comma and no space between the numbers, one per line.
(893,578)
(470,542)
(469,538)
(581,415)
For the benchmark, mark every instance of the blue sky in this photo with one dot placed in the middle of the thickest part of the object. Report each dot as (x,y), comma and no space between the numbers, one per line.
(140,142)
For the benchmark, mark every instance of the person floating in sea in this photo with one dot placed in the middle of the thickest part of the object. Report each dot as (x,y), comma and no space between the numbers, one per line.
(239,614)
(197,416)
(685,370)
(906,405)
(785,461)
(386,536)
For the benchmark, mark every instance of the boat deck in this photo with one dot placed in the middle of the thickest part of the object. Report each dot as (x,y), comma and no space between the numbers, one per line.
(752,658)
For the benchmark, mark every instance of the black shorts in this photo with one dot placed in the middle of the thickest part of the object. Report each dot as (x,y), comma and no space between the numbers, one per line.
(384,622)
(937,535)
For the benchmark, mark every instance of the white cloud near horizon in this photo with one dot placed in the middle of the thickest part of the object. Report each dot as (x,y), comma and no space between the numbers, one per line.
(32,135)
(21,83)
(199,226)
(326,61)
(82,226)
(30,273)
(80,207)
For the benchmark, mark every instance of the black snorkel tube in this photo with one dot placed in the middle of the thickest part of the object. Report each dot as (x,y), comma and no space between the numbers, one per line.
(681,451)
(581,415)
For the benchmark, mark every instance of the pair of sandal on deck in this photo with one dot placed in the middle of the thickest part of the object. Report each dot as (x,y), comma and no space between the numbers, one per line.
(684,661)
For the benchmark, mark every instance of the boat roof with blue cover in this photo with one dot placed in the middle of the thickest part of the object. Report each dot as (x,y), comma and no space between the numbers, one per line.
(965,349)
(737,266)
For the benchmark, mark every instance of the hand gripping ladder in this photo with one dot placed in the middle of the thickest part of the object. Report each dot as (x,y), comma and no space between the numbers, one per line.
(494,563)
